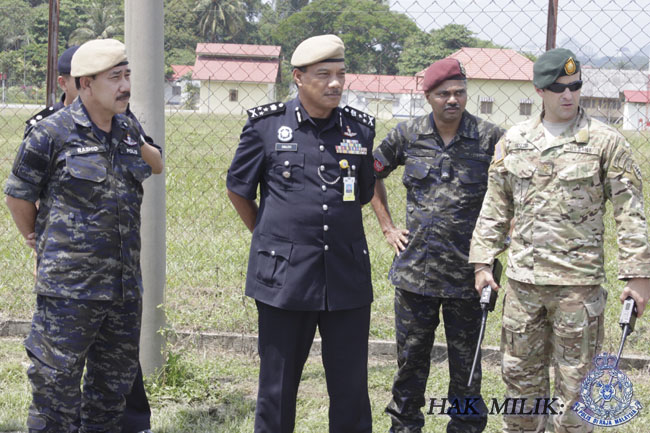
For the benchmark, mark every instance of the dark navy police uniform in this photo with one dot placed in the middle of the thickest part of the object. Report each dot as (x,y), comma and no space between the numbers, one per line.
(309,264)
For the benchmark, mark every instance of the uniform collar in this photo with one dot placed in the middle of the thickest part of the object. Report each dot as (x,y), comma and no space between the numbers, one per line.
(467,128)
(81,117)
(301,116)
(577,132)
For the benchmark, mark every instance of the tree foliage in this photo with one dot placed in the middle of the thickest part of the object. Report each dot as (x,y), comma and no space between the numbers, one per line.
(373,34)
(220,20)
(422,49)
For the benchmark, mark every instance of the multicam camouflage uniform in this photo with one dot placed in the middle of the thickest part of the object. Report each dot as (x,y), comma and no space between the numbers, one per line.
(554,307)
(445,187)
(89,283)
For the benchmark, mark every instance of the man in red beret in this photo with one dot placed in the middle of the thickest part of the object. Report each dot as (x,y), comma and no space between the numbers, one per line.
(446,155)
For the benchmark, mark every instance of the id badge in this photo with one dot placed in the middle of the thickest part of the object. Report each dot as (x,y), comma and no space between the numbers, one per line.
(348,188)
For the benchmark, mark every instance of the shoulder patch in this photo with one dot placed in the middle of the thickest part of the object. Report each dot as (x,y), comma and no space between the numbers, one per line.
(360,116)
(265,110)
(40,115)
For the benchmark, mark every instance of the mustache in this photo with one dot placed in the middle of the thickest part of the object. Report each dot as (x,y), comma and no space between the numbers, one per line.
(125,95)
(448,106)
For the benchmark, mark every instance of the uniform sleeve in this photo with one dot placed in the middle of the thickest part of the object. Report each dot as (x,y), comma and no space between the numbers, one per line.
(143,135)
(367,174)
(493,222)
(247,166)
(623,187)
(390,153)
(31,167)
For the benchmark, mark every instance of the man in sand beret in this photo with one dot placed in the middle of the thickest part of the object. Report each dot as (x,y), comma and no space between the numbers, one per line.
(309,265)
(85,165)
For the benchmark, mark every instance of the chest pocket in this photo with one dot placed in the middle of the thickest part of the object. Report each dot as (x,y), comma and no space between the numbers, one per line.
(471,172)
(83,179)
(522,171)
(131,157)
(581,185)
(415,172)
(288,170)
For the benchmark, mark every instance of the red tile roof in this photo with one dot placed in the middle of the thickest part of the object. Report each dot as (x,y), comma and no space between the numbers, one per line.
(237,62)
(493,64)
(238,50)
(380,83)
(640,96)
(180,71)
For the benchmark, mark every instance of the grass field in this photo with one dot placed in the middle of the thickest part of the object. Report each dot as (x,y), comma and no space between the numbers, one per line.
(207,251)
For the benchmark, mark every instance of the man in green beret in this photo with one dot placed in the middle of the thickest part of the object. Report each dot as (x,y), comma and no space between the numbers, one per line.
(553,174)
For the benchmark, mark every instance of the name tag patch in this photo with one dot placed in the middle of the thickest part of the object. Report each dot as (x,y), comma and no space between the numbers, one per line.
(286,147)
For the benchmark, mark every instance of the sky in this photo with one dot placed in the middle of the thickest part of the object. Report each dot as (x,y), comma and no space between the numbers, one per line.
(593,28)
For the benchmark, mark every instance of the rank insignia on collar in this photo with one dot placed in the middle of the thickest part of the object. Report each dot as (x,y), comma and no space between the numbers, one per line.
(129,140)
(348,132)
(265,110)
(285,134)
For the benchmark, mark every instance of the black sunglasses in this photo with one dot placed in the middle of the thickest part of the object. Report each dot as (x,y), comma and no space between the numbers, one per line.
(559,87)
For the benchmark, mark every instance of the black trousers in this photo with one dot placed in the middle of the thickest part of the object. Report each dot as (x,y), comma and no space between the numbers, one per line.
(137,414)
(285,338)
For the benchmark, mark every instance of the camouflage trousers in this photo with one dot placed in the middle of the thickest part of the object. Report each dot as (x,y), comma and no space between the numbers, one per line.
(416,320)
(66,335)
(549,325)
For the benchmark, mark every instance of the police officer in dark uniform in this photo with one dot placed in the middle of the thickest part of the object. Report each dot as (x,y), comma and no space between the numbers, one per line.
(85,164)
(309,265)
(137,414)
(446,155)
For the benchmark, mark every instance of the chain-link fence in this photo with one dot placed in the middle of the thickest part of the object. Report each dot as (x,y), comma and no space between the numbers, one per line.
(387,48)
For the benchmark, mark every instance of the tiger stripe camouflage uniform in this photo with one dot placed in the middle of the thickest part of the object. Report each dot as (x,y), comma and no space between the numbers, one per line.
(89,282)
(554,306)
(445,186)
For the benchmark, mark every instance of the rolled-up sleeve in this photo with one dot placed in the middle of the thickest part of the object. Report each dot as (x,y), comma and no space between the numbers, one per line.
(31,166)
(247,166)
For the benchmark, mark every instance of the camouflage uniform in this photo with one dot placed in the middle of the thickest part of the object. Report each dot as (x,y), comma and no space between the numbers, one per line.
(445,187)
(89,283)
(554,307)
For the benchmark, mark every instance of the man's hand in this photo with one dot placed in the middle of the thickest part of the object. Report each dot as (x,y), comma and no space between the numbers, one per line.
(483,276)
(30,240)
(639,289)
(397,238)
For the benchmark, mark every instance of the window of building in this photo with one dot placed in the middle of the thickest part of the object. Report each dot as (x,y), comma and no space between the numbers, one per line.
(486,107)
(176,90)
(525,107)
(234,95)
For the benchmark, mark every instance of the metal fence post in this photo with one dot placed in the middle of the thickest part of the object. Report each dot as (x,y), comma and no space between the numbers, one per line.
(143,31)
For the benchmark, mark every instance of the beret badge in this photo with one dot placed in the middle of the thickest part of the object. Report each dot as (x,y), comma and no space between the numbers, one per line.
(570,66)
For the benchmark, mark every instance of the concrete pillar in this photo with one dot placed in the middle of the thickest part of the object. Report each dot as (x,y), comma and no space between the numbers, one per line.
(143,34)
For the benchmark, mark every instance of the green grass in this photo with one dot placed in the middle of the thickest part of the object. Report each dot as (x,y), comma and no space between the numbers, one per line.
(207,245)
(208,392)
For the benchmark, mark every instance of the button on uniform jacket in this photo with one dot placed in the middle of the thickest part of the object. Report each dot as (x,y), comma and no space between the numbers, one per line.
(308,250)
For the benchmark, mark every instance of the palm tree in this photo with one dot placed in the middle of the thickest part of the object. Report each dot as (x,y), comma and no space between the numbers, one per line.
(220,20)
(105,20)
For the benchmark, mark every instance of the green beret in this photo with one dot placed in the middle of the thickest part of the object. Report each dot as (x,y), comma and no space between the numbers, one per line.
(322,48)
(553,64)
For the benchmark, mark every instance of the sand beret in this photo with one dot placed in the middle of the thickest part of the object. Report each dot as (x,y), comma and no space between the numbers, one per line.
(445,69)
(322,48)
(553,64)
(97,56)
(63,65)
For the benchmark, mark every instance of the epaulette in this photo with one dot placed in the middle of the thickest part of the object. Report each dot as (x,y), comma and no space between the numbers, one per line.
(360,116)
(265,110)
(40,116)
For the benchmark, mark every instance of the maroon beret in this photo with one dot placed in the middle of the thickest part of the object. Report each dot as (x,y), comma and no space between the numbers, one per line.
(440,71)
